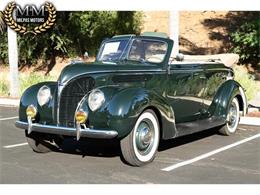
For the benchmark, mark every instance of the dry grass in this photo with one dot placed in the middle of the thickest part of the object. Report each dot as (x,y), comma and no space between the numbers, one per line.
(254,114)
(26,79)
(247,81)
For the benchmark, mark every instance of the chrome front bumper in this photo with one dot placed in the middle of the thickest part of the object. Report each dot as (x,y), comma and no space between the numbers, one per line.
(78,132)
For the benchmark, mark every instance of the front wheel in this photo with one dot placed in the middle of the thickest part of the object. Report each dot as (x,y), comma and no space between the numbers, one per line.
(140,146)
(232,119)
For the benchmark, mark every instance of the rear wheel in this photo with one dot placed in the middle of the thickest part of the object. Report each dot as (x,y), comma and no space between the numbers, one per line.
(232,119)
(42,143)
(140,146)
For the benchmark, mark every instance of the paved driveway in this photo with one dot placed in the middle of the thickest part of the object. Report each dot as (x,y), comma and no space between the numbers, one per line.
(205,157)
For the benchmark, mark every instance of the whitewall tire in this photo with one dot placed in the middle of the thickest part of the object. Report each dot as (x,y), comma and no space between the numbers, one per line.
(232,118)
(140,146)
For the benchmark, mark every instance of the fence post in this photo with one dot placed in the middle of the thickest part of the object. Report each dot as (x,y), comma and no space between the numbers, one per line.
(13,62)
(174,31)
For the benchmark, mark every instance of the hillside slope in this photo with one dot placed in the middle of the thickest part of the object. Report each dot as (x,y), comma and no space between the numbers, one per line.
(203,32)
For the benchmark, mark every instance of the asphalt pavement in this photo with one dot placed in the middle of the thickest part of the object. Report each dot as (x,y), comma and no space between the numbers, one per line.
(202,158)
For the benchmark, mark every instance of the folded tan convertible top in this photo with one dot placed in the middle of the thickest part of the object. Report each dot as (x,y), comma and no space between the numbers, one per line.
(228,59)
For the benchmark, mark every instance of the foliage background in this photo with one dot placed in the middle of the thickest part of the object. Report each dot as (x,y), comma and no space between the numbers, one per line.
(72,35)
(77,32)
(246,39)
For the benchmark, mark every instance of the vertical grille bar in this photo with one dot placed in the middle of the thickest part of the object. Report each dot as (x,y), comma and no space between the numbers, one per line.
(70,97)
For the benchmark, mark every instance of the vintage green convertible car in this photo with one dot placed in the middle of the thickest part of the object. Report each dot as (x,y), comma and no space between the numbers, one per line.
(136,93)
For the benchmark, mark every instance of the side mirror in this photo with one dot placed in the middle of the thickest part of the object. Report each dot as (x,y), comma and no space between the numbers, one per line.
(179,57)
(86,56)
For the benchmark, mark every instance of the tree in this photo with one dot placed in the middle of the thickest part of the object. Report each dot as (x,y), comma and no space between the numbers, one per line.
(3,40)
(2,22)
(246,39)
(72,35)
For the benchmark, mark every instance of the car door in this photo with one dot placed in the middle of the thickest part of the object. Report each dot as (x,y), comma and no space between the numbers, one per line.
(186,84)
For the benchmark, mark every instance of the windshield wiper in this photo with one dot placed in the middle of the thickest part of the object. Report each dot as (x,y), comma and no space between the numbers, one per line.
(141,60)
(124,60)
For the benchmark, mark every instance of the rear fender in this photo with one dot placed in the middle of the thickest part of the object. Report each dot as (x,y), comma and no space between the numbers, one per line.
(224,96)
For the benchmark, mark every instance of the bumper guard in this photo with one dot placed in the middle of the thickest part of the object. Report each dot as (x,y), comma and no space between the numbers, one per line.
(78,132)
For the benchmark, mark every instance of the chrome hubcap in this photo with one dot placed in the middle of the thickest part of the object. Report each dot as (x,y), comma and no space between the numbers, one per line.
(232,115)
(144,137)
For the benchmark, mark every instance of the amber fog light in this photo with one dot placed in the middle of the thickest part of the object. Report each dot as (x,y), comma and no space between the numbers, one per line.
(31,111)
(81,116)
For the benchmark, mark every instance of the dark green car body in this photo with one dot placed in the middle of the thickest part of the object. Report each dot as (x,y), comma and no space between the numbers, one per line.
(186,97)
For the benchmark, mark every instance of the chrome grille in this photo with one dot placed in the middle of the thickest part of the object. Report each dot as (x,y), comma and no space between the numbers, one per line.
(70,97)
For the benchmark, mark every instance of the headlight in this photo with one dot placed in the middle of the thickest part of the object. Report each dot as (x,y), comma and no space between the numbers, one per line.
(95,99)
(43,95)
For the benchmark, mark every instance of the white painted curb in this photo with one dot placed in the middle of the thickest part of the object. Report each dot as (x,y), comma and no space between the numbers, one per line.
(9,102)
(249,121)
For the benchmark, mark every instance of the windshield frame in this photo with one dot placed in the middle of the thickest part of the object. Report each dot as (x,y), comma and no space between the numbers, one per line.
(114,40)
(147,39)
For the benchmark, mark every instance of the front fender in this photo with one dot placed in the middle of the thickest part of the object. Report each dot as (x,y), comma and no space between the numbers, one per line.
(45,113)
(224,96)
(123,107)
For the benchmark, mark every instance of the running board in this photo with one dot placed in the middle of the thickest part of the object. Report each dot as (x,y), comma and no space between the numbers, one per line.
(199,125)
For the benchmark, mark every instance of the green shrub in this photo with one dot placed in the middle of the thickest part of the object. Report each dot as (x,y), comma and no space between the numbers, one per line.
(247,81)
(246,40)
(3,88)
(72,35)
(3,49)
(27,80)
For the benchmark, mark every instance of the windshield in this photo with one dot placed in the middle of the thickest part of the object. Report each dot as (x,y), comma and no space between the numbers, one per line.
(140,50)
(147,51)
(112,50)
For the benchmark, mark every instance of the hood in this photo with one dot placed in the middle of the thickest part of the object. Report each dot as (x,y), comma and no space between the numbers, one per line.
(74,70)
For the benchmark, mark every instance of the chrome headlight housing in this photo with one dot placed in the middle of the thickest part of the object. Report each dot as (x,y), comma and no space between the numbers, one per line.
(43,95)
(95,99)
